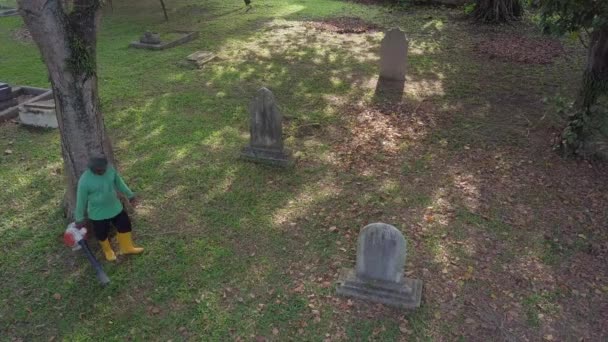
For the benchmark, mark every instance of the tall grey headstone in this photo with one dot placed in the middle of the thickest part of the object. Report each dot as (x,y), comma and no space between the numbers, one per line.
(378,275)
(393,55)
(266,141)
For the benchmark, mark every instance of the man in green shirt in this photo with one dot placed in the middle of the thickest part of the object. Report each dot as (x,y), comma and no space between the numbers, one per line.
(97,193)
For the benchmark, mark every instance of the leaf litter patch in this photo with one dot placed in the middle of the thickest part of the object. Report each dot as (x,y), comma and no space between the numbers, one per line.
(22,35)
(342,25)
(383,129)
(520,49)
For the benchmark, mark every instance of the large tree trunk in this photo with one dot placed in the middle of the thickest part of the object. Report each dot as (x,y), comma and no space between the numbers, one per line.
(67,39)
(595,78)
(497,11)
(587,131)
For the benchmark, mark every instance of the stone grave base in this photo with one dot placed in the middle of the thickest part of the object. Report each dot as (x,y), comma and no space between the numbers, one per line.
(266,156)
(200,58)
(7,98)
(406,294)
(9,107)
(8,103)
(7,11)
(186,37)
(39,114)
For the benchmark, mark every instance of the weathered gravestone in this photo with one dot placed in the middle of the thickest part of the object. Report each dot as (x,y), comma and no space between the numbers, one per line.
(12,99)
(150,38)
(378,275)
(6,92)
(393,55)
(200,58)
(39,114)
(266,141)
(7,97)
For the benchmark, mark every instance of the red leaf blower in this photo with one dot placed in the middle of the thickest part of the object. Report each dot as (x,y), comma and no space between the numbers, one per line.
(76,239)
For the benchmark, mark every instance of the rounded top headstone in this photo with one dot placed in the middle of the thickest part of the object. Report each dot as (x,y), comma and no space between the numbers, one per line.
(266,121)
(393,55)
(265,93)
(381,253)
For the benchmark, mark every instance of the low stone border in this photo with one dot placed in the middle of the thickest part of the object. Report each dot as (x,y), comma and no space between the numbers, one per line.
(39,94)
(39,112)
(188,36)
(8,11)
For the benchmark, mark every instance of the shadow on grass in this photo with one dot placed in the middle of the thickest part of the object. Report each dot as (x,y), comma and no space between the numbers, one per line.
(389,91)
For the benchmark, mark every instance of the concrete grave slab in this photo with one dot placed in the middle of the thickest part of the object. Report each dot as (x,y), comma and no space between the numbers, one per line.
(40,113)
(6,92)
(20,95)
(200,58)
(147,41)
(8,11)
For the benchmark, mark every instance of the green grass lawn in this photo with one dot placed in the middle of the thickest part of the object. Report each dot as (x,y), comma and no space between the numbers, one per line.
(237,251)
(8,3)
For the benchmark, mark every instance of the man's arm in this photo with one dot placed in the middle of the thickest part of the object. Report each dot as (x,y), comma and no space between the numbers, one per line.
(121,186)
(81,202)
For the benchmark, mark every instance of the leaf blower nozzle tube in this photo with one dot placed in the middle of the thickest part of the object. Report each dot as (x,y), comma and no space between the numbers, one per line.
(76,239)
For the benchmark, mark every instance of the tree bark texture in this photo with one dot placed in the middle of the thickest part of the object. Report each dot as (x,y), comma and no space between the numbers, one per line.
(595,78)
(67,39)
(497,11)
(586,132)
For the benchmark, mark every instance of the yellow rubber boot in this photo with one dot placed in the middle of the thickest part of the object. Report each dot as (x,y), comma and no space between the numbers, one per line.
(107,250)
(126,244)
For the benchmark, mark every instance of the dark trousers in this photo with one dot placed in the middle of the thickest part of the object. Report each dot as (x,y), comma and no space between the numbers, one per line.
(102,227)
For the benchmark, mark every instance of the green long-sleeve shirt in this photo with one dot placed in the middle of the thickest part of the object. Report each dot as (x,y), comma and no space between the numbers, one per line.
(97,194)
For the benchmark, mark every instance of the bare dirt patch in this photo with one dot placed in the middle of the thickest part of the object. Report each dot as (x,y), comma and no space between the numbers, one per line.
(342,25)
(520,49)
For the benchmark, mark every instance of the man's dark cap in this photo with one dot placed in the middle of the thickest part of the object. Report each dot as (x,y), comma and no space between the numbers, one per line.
(98,162)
